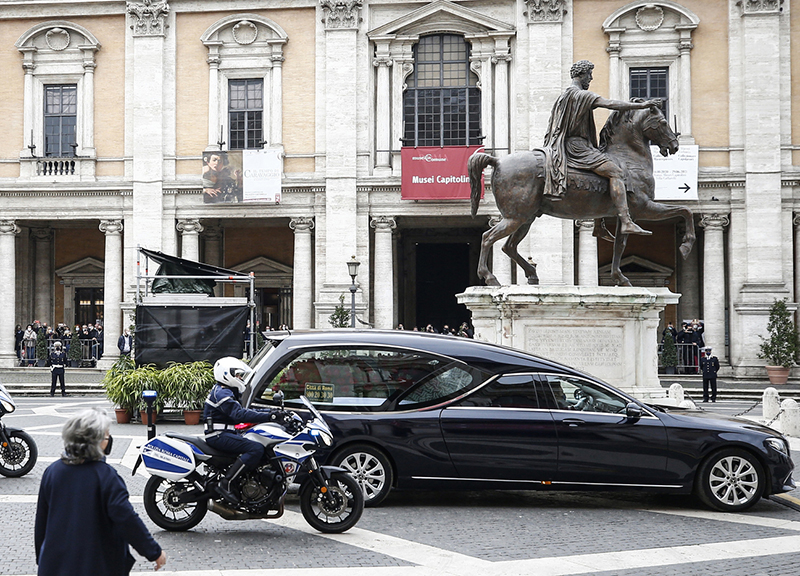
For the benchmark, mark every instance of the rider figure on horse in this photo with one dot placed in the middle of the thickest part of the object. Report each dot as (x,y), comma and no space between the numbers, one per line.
(571,141)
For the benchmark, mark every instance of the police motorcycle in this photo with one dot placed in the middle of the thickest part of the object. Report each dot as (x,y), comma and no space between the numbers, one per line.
(185,470)
(18,451)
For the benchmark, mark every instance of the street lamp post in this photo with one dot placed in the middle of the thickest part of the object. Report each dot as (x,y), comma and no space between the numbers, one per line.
(352,269)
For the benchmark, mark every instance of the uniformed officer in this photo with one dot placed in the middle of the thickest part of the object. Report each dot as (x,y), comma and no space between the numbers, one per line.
(710,366)
(58,360)
(223,411)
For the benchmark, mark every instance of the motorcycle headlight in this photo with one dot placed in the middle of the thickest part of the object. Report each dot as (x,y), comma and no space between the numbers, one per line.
(778,444)
(322,438)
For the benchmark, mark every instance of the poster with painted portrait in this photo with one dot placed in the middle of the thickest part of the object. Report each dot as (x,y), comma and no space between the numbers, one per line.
(222,177)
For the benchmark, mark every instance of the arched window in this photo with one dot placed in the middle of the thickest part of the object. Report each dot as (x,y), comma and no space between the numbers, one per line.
(442,104)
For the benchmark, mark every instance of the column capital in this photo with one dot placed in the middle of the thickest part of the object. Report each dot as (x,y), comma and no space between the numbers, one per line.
(714,221)
(382,61)
(546,10)
(212,232)
(585,225)
(148,17)
(796,220)
(383,223)
(189,226)
(341,14)
(108,227)
(301,224)
(42,234)
(9,227)
(494,221)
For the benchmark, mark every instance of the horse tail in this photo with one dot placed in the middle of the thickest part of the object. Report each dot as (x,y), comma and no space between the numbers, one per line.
(476,164)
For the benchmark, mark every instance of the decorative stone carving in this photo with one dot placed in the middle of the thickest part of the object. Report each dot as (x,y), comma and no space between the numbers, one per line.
(341,13)
(383,223)
(9,227)
(585,224)
(650,17)
(57,39)
(301,224)
(189,226)
(494,221)
(546,10)
(111,226)
(714,221)
(42,234)
(245,32)
(760,6)
(148,17)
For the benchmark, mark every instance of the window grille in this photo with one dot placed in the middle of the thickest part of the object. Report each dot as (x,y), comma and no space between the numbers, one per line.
(245,113)
(60,120)
(649,83)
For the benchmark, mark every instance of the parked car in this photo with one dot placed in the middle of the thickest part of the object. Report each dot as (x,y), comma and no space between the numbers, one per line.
(416,410)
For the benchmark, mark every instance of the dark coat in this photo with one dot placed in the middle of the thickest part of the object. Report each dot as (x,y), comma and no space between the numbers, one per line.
(710,366)
(85,521)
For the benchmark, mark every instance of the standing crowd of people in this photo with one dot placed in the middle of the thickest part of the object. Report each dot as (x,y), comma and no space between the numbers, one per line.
(90,335)
(693,345)
(465,330)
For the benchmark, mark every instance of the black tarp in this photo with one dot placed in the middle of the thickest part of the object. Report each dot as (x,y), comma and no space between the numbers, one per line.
(174,266)
(189,333)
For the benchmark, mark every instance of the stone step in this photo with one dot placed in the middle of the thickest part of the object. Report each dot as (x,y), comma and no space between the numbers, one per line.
(34,381)
(731,389)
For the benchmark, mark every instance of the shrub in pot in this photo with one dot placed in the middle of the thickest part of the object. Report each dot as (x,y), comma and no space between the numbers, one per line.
(781,345)
(41,348)
(187,386)
(74,352)
(669,354)
(118,386)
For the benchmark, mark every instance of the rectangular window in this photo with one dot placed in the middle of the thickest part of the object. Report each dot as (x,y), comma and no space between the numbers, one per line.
(60,120)
(649,83)
(245,114)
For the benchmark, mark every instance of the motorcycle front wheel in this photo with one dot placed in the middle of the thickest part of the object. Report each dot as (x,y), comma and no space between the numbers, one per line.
(18,455)
(161,501)
(336,511)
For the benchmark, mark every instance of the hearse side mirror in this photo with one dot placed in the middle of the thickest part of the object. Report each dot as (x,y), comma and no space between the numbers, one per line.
(633,411)
(278,397)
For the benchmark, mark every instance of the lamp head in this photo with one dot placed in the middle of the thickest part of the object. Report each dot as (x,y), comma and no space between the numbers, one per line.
(352,267)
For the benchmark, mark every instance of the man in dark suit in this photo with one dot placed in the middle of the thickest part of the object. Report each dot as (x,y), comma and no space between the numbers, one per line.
(125,342)
(710,366)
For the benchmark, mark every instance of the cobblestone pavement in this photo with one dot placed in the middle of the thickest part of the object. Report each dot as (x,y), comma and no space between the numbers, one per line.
(496,533)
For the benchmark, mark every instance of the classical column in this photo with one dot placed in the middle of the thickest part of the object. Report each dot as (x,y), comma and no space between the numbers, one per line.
(501,59)
(587,253)
(87,134)
(276,119)
(303,273)
(8,292)
(190,229)
(112,290)
(501,264)
(42,275)
(714,282)
(382,111)
(384,272)
(685,112)
(214,124)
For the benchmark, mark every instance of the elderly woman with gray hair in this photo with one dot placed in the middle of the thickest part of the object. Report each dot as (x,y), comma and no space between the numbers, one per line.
(84,518)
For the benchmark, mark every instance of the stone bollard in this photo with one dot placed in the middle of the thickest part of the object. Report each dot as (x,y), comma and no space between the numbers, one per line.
(676,392)
(771,404)
(790,419)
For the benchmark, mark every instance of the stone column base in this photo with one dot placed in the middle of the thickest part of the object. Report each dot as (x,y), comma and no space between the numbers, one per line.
(608,332)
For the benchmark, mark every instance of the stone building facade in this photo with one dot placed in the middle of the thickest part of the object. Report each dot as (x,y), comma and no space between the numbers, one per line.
(111,105)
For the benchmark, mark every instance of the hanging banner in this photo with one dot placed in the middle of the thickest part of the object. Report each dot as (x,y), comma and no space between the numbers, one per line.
(222,176)
(262,175)
(436,173)
(676,175)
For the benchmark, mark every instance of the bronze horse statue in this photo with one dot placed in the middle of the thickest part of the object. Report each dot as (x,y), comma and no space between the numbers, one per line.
(518,181)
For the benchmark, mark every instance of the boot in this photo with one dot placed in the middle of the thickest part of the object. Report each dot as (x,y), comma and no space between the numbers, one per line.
(627,226)
(224,486)
(631,227)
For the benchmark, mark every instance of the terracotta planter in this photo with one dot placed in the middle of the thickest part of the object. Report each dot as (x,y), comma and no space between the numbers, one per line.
(778,374)
(123,416)
(192,417)
(143,415)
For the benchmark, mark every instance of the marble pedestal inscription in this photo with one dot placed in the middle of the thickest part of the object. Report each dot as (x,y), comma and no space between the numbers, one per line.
(591,350)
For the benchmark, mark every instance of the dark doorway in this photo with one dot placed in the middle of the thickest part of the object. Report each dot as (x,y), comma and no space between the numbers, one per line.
(442,272)
(88,305)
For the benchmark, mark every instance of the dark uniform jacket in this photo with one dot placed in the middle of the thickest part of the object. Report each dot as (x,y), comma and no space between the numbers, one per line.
(85,522)
(57,361)
(223,407)
(709,366)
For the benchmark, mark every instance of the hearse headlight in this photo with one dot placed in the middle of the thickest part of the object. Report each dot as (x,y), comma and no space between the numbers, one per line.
(778,444)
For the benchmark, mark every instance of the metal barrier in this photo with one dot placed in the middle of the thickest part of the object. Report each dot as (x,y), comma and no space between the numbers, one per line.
(688,358)
(89,349)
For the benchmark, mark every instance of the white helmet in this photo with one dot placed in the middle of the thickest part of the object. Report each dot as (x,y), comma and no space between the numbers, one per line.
(231,372)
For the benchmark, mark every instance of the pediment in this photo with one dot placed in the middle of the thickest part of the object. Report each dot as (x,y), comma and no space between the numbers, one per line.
(262,267)
(640,271)
(441,16)
(82,268)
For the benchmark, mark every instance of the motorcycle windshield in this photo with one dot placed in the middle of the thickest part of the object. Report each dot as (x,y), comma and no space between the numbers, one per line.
(6,401)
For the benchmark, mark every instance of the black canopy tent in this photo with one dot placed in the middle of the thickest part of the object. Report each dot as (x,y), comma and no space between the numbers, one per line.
(178,317)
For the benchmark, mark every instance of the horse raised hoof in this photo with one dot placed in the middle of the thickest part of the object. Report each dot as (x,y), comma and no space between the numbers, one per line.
(685,248)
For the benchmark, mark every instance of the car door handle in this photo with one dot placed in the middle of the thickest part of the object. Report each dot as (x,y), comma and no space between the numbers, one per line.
(573,421)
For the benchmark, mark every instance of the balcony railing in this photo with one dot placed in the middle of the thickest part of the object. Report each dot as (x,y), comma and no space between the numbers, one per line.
(56,166)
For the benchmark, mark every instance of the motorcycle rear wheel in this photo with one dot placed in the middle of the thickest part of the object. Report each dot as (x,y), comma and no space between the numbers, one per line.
(19,456)
(340,515)
(160,502)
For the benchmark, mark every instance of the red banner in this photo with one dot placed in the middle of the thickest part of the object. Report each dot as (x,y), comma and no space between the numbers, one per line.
(436,173)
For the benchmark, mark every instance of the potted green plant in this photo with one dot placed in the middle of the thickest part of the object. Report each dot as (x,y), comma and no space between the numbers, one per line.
(41,348)
(341,315)
(118,387)
(187,386)
(781,345)
(669,354)
(74,352)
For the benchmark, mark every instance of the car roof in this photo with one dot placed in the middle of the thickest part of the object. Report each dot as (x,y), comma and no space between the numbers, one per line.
(490,357)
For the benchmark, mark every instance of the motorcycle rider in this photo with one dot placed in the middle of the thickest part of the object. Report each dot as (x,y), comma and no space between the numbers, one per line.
(223,411)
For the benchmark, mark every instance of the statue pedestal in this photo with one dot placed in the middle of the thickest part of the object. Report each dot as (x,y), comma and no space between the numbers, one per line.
(608,332)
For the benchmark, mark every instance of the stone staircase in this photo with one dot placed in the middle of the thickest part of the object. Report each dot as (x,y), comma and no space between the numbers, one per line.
(732,389)
(34,381)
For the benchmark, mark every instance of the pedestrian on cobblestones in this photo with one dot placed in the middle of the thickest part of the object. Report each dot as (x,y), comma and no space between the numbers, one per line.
(710,366)
(84,518)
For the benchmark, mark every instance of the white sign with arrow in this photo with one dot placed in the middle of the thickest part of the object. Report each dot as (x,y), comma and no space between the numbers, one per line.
(676,175)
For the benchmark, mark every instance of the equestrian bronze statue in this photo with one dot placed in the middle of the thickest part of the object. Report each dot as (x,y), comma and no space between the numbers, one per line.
(574,177)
